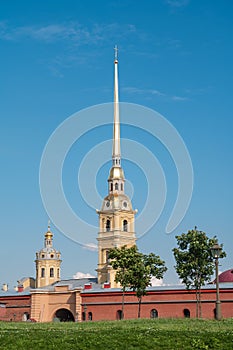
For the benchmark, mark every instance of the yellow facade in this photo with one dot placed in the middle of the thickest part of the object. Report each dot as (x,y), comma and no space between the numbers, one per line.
(45,304)
(48,262)
(117,235)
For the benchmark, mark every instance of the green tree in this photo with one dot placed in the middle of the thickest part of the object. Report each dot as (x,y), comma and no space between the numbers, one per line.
(134,270)
(147,266)
(194,262)
(122,260)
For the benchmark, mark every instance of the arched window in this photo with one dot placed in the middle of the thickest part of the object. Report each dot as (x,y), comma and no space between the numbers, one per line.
(108,225)
(111,186)
(26,316)
(51,272)
(186,313)
(116,186)
(58,273)
(154,313)
(125,225)
(119,315)
(89,316)
(42,272)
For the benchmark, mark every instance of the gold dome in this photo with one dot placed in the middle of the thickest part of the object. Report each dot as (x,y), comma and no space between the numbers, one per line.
(116,173)
(48,234)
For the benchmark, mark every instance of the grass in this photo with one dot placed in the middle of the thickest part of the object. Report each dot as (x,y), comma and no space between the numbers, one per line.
(143,334)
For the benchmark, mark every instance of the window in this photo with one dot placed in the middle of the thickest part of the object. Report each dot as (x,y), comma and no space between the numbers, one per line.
(107,254)
(154,313)
(84,316)
(121,187)
(51,272)
(58,273)
(125,225)
(42,255)
(111,187)
(186,313)
(52,256)
(42,272)
(119,315)
(25,317)
(89,316)
(108,225)
(116,186)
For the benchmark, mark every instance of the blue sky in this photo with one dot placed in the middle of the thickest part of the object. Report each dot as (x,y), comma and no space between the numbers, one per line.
(175,57)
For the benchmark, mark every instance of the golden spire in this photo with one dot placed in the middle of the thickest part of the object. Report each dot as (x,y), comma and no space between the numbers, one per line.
(116,176)
(116,151)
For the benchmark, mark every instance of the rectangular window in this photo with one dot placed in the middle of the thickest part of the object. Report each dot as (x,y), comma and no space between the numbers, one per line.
(51,272)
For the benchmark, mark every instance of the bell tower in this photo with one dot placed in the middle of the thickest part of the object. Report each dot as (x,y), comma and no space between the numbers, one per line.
(48,261)
(116,217)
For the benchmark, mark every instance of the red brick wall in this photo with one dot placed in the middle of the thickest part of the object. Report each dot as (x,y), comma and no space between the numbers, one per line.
(16,306)
(2,312)
(104,306)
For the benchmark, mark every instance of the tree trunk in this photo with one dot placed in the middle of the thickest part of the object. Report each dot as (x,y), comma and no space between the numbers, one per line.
(200,311)
(198,304)
(139,307)
(197,307)
(123,303)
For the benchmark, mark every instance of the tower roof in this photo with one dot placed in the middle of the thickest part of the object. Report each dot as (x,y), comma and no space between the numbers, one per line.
(48,251)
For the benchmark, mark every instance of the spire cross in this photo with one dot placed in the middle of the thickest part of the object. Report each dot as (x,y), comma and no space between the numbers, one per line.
(116,52)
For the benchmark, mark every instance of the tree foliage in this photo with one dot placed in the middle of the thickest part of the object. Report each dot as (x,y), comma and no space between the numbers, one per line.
(134,270)
(194,262)
(122,260)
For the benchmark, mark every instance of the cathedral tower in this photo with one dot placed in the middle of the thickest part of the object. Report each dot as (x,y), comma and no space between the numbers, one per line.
(116,217)
(47,262)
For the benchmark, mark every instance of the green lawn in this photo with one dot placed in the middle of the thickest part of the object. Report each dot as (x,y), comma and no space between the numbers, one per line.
(134,334)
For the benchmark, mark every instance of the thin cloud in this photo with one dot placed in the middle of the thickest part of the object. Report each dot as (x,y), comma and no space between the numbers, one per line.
(177,3)
(72,32)
(198,91)
(91,246)
(135,90)
(153,92)
(50,33)
(72,35)
(179,98)
(79,275)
